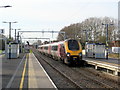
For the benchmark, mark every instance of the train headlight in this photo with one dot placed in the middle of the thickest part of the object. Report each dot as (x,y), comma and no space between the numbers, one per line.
(68,54)
(80,54)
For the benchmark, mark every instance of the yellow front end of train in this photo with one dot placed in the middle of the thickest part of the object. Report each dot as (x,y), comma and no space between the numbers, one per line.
(73,50)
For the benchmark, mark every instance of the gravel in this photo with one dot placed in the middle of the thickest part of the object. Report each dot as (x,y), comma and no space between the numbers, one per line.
(81,75)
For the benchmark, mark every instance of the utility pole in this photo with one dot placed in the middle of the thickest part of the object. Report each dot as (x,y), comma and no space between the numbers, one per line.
(9,28)
(9,37)
(106,25)
(86,39)
(15,33)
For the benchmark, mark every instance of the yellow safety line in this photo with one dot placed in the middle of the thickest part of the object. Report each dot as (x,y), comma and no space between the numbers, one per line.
(30,51)
(23,74)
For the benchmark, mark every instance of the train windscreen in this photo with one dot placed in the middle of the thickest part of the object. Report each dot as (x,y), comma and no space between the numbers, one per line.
(73,45)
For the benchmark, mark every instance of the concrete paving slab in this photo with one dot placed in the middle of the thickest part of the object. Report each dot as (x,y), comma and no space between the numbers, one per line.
(37,75)
(9,67)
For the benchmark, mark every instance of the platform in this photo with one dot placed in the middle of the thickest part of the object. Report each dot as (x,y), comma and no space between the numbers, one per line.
(109,60)
(23,72)
(37,76)
(108,64)
(11,71)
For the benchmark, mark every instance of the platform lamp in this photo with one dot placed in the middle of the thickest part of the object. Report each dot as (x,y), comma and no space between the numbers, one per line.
(9,37)
(5,6)
(9,27)
(106,25)
(15,33)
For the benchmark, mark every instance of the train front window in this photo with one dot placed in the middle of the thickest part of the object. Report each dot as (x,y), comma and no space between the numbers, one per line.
(73,45)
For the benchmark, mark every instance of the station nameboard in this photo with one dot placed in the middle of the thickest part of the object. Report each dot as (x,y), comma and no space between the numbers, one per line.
(1,31)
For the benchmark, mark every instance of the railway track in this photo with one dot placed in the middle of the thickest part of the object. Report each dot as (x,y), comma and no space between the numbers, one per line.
(65,76)
(88,81)
(103,80)
(100,82)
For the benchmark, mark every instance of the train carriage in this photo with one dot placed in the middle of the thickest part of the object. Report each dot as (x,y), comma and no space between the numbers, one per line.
(70,51)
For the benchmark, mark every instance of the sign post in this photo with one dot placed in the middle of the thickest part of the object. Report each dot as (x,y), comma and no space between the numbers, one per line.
(2,31)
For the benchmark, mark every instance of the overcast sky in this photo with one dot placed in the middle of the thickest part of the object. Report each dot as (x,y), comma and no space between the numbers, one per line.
(53,14)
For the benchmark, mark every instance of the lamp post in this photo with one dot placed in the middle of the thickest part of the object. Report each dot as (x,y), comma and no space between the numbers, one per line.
(106,25)
(18,35)
(15,33)
(86,33)
(19,41)
(9,37)
(5,6)
(9,28)
(86,40)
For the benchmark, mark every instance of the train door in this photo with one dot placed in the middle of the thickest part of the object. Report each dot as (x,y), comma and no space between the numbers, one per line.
(62,51)
(49,50)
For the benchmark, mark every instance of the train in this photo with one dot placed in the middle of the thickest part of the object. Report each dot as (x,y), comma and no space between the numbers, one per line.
(69,51)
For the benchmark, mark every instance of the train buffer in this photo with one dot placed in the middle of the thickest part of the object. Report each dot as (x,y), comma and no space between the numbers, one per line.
(38,78)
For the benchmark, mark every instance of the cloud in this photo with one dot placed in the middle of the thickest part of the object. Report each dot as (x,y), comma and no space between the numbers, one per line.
(54,14)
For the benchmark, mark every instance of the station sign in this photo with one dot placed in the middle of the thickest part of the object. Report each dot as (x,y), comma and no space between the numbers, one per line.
(1,31)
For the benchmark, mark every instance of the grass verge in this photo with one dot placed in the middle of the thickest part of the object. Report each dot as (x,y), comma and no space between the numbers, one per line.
(0,51)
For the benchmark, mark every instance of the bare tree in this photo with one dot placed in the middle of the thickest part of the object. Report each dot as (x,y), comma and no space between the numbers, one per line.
(96,31)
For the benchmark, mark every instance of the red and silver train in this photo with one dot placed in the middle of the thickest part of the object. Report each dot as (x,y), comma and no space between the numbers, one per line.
(70,51)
